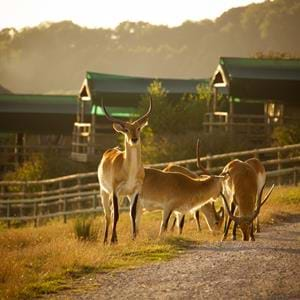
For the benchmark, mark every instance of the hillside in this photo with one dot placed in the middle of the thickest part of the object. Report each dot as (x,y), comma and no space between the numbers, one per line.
(54,57)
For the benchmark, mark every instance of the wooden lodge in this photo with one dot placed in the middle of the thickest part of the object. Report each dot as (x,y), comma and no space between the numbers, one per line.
(252,96)
(34,123)
(92,133)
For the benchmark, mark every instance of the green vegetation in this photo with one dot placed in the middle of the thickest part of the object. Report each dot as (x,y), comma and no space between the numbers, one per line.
(286,135)
(84,229)
(174,127)
(46,259)
(191,50)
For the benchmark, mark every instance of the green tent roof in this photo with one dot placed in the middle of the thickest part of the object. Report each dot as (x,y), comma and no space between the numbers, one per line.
(277,79)
(37,113)
(121,90)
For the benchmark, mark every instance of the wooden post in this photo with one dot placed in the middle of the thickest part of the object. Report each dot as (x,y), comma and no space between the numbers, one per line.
(35,209)
(95,201)
(295,177)
(79,191)
(279,181)
(8,214)
(60,203)
(208,161)
(65,210)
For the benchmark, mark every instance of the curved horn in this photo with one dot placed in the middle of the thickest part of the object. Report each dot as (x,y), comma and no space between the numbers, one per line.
(114,120)
(145,116)
(267,195)
(231,216)
(204,170)
(255,214)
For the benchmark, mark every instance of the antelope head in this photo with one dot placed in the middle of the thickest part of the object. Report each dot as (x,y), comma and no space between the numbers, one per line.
(131,130)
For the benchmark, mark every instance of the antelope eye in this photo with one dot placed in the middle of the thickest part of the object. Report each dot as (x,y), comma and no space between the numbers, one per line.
(138,129)
(126,130)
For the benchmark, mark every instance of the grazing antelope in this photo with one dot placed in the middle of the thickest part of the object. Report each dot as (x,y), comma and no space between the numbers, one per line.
(241,189)
(213,218)
(261,180)
(121,173)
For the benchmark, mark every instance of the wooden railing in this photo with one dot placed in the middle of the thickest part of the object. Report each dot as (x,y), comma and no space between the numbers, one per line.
(79,193)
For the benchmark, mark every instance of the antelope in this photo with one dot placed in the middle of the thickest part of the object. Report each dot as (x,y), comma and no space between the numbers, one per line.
(213,218)
(241,187)
(173,191)
(261,180)
(121,173)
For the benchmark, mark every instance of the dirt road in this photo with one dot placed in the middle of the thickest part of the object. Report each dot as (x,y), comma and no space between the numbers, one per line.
(266,269)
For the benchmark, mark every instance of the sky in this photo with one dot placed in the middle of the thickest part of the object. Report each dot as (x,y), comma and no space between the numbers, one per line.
(109,13)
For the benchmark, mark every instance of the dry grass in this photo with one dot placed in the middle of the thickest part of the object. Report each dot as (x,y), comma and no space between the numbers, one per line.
(42,260)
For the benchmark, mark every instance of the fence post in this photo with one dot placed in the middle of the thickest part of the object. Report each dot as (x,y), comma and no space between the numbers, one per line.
(208,161)
(279,166)
(79,192)
(35,209)
(65,210)
(61,203)
(8,214)
(295,176)
(95,201)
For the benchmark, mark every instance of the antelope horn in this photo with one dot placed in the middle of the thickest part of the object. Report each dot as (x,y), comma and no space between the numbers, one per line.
(268,195)
(255,214)
(231,216)
(143,118)
(110,118)
(199,165)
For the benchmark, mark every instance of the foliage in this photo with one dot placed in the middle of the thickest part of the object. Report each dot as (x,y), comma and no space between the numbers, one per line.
(191,50)
(85,230)
(45,165)
(175,125)
(285,135)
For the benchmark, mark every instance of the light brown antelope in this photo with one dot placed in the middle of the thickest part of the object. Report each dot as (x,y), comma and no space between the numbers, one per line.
(176,192)
(121,173)
(213,218)
(241,189)
(260,170)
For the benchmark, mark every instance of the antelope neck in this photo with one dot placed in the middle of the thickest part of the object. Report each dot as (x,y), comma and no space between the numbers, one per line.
(133,154)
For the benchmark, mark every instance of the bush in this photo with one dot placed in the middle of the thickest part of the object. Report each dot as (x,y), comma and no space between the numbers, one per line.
(85,230)
(286,135)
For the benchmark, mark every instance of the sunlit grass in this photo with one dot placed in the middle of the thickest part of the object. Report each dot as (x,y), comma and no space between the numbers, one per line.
(42,260)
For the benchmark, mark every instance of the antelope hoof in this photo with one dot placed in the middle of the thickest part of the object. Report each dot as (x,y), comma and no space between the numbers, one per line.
(223,238)
(252,239)
(234,238)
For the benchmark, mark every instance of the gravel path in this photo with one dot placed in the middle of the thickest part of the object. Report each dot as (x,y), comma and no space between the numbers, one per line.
(266,269)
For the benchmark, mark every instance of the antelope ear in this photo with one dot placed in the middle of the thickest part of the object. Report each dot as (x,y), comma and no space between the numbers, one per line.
(118,127)
(145,123)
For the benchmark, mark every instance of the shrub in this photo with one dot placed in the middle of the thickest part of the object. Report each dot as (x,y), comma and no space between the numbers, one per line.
(285,135)
(85,230)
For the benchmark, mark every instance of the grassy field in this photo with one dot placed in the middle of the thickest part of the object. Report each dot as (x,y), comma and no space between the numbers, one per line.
(43,260)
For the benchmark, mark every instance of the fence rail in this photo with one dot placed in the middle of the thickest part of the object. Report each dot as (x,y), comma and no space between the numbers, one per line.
(79,193)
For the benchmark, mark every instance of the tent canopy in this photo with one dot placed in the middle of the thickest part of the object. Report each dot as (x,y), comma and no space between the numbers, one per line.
(261,79)
(120,91)
(42,114)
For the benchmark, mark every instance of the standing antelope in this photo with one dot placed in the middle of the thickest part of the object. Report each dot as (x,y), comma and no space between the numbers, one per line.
(121,173)
(241,189)
(173,191)
(213,218)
